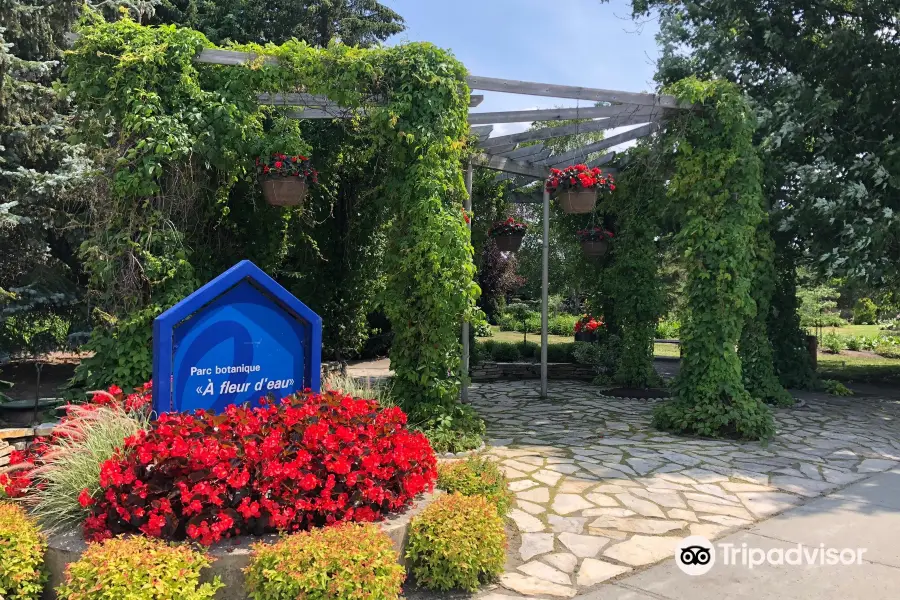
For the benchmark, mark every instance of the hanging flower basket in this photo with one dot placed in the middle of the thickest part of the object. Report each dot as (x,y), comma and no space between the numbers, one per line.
(285,179)
(594,241)
(508,234)
(577,187)
(586,328)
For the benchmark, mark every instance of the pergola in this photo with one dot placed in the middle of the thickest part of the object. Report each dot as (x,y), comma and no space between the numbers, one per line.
(521,157)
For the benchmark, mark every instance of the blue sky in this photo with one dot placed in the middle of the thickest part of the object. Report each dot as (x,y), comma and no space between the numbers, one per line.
(570,42)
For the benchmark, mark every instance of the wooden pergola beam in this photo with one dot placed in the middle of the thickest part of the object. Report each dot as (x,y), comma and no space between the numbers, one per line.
(609,142)
(529,88)
(508,165)
(562,114)
(548,133)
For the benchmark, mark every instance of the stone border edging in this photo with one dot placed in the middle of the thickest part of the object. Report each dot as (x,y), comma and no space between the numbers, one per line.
(230,556)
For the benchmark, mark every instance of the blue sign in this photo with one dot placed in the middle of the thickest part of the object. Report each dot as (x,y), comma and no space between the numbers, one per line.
(239,338)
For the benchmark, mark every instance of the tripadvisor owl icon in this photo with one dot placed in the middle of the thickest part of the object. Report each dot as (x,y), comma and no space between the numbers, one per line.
(695,555)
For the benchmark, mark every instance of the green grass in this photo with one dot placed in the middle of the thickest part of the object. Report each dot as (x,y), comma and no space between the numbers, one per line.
(667,350)
(866,330)
(516,337)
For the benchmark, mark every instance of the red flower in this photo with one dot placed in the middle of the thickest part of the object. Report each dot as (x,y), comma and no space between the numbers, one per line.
(85,499)
(278,164)
(307,461)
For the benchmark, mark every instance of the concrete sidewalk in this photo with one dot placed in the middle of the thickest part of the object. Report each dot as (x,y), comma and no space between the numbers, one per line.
(862,515)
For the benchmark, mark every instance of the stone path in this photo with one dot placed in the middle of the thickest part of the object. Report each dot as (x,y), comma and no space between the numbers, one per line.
(599,493)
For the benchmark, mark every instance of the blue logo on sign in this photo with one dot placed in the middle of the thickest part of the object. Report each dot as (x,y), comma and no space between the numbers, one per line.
(239,338)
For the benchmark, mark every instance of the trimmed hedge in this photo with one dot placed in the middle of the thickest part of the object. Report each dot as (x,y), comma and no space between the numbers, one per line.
(457,542)
(138,568)
(22,548)
(477,475)
(342,562)
(495,351)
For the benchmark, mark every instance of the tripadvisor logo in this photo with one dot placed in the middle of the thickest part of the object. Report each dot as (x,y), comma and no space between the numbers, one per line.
(696,555)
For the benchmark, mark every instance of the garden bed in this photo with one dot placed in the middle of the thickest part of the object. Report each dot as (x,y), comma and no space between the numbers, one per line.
(230,556)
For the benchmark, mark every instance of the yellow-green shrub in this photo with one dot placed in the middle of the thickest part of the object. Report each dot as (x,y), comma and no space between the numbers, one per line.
(138,568)
(457,542)
(476,476)
(22,548)
(343,562)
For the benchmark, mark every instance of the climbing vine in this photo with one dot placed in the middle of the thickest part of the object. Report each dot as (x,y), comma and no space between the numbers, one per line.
(754,348)
(178,141)
(634,286)
(716,185)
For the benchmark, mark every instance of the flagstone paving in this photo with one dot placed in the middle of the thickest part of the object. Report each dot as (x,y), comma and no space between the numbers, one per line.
(599,492)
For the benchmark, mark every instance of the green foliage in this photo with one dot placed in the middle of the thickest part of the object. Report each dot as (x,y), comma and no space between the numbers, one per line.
(631,285)
(455,430)
(854,342)
(182,145)
(836,388)
(865,312)
(138,568)
(476,476)
(603,355)
(342,562)
(829,146)
(755,348)
(22,548)
(792,361)
(457,542)
(833,342)
(668,329)
(888,350)
(480,324)
(40,175)
(716,187)
(89,438)
(355,23)
(506,352)
(496,351)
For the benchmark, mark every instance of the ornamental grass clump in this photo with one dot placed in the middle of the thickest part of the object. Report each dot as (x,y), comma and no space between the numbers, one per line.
(308,461)
(476,476)
(138,568)
(457,542)
(343,562)
(57,477)
(22,548)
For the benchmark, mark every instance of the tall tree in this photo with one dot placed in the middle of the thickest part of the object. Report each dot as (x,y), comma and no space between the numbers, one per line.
(824,79)
(39,269)
(317,22)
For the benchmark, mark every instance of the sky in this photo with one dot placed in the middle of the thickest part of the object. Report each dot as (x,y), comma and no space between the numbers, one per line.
(568,42)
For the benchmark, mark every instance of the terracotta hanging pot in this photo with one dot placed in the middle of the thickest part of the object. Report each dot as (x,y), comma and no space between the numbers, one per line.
(510,242)
(284,191)
(594,248)
(577,201)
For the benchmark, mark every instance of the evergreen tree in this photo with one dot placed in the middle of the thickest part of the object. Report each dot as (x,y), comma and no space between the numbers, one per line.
(39,268)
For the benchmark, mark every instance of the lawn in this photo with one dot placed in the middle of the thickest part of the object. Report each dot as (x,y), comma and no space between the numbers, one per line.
(515,336)
(857,330)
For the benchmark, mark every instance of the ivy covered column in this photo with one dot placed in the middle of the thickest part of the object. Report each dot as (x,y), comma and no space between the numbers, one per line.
(755,349)
(635,288)
(716,186)
(430,285)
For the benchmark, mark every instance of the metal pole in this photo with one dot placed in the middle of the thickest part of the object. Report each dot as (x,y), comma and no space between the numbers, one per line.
(545,291)
(464,392)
